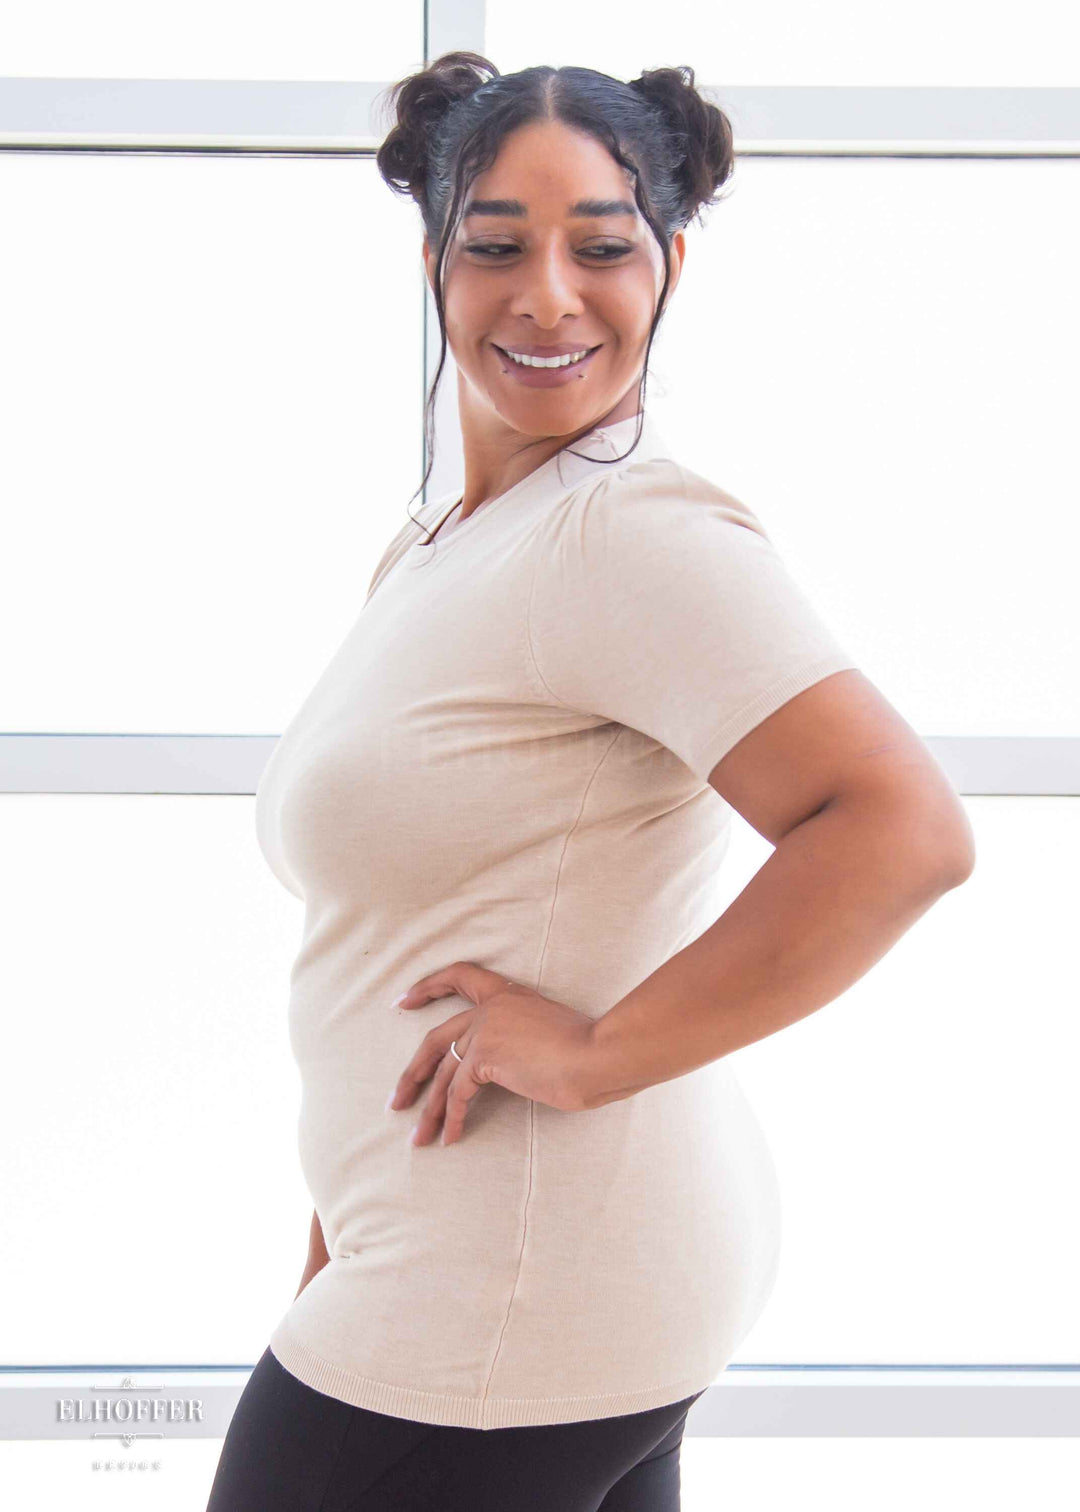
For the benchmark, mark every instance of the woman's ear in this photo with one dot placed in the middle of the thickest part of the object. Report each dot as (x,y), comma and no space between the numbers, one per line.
(678,252)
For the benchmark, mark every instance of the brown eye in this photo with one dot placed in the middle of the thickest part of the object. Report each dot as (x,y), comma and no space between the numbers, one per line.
(605,252)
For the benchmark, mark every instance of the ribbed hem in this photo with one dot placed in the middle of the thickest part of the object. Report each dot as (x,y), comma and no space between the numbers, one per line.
(765,703)
(464,1411)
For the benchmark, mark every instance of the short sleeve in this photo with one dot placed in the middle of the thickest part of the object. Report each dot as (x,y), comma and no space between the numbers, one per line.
(658,600)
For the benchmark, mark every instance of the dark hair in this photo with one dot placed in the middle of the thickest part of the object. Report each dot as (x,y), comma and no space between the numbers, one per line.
(453,115)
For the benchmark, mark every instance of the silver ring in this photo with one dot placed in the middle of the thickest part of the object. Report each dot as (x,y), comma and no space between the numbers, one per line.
(453,1052)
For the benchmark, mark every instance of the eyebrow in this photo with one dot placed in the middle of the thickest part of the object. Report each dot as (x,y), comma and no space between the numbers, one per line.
(585,208)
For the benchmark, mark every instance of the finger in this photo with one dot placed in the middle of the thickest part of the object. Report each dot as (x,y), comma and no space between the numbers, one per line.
(466,978)
(430,1053)
(436,984)
(448,1102)
(462,1089)
(431,1119)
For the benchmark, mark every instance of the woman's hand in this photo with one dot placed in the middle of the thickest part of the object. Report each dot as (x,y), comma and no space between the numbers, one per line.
(524,1042)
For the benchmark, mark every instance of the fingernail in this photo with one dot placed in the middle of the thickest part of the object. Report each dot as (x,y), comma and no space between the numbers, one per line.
(398,1000)
(390,1100)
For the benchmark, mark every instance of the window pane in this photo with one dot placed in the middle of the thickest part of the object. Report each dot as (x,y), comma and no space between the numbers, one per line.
(148,1098)
(785,42)
(879,357)
(211,39)
(924,1124)
(212,397)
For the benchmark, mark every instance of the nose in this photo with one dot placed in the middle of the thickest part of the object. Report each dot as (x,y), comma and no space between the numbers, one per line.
(546,288)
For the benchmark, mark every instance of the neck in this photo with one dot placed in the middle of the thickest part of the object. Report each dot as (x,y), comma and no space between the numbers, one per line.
(498,457)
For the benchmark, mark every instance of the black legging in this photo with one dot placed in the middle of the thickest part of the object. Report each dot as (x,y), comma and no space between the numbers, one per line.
(290,1448)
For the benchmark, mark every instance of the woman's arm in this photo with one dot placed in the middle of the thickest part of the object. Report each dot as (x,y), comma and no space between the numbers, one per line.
(869,833)
(832,899)
(317,1253)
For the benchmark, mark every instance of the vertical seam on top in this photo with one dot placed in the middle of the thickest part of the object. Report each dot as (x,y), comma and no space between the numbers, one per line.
(532,1104)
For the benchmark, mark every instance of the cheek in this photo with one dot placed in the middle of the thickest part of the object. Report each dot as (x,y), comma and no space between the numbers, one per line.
(628,316)
(626,308)
(468,317)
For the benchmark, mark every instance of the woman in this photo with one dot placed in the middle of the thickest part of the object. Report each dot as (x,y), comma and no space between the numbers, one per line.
(511,789)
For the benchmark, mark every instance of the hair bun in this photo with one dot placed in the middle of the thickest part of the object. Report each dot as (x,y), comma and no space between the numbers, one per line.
(421,101)
(701,133)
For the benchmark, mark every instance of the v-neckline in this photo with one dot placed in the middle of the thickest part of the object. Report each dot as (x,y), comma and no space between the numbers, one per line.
(424,548)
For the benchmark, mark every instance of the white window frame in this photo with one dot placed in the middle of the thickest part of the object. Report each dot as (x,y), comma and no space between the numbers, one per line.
(1019,1399)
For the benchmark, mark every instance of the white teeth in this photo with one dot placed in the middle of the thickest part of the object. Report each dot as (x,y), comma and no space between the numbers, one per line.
(548,362)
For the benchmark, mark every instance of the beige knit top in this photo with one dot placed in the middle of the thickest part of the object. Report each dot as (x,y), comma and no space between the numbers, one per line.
(506,762)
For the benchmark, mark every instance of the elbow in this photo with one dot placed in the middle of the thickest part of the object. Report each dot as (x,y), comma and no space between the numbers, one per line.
(960,853)
(946,841)
(953,863)
(934,857)
(967,867)
(959,870)
(933,845)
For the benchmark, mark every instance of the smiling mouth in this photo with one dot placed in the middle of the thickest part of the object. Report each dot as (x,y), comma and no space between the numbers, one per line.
(588,351)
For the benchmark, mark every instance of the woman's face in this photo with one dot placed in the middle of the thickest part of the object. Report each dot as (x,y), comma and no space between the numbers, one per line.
(549,271)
